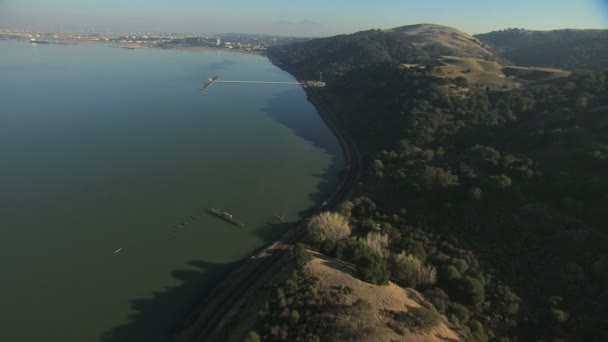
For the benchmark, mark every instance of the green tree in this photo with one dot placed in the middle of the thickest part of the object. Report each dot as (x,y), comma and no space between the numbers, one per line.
(364,207)
(458,314)
(581,103)
(438,298)
(500,181)
(294,317)
(345,208)
(377,168)
(405,269)
(461,82)
(477,333)
(252,337)
(300,255)
(436,177)
(280,299)
(472,290)
(372,269)
(377,242)
(474,194)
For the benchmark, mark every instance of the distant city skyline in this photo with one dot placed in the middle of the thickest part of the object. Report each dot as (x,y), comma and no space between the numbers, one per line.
(298,18)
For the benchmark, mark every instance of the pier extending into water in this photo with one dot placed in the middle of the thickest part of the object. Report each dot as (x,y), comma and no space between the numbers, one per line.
(259,82)
(214,79)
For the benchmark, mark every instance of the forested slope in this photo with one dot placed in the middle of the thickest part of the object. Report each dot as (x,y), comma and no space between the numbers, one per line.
(503,192)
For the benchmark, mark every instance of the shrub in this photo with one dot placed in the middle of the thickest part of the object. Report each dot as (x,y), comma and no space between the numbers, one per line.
(370,226)
(291,286)
(372,269)
(449,274)
(435,177)
(472,290)
(485,157)
(377,167)
(252,337)
(414,247)
(428,275)
(364,207)
(328,247)
(459,312)
(461,265)
(405,269)
(422,319)
(438,298)
(328,225)
(345,208)
(279,298)
(294,317)
(392,232)
(500,181)
(461,82)
(506,301)
(300,255)
(474,194)
(378,243)
(477,333)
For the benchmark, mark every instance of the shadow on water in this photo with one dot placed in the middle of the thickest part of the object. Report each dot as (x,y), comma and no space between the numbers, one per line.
(150,321)
(298,119)
(196,282)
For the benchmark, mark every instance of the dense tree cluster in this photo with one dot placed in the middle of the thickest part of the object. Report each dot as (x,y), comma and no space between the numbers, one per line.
(518,177)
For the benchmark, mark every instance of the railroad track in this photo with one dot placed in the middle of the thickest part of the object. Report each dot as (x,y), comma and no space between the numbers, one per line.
(223,303)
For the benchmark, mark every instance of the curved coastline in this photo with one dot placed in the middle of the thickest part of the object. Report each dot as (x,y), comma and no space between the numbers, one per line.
(186,280)
(219,308)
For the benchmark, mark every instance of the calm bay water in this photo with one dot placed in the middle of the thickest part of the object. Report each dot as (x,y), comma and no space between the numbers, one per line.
(104,148)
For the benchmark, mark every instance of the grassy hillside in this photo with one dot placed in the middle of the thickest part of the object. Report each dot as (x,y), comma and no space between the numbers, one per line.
(451,53)
(567,49)
(322,300)
(414,44)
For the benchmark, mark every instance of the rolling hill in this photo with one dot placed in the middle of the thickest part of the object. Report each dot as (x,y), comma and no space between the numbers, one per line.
(414,44)
(451,52)
(567,49)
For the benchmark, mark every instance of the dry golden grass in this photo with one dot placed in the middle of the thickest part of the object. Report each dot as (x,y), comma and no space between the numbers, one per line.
(475,70)
(464,44)
(535,73)
(385,302)
(492,73)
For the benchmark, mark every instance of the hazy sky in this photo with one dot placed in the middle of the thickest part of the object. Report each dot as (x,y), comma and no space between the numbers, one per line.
(299,17)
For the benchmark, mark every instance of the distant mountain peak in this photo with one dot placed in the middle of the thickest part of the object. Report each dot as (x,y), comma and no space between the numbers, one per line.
(415,27)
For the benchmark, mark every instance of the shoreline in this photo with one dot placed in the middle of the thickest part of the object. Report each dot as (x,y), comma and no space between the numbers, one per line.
(219,309)
(137,47)
(203,48)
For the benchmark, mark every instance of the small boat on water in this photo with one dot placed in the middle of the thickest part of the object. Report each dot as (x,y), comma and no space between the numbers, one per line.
(118,250)
(224,215)
(208,82)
